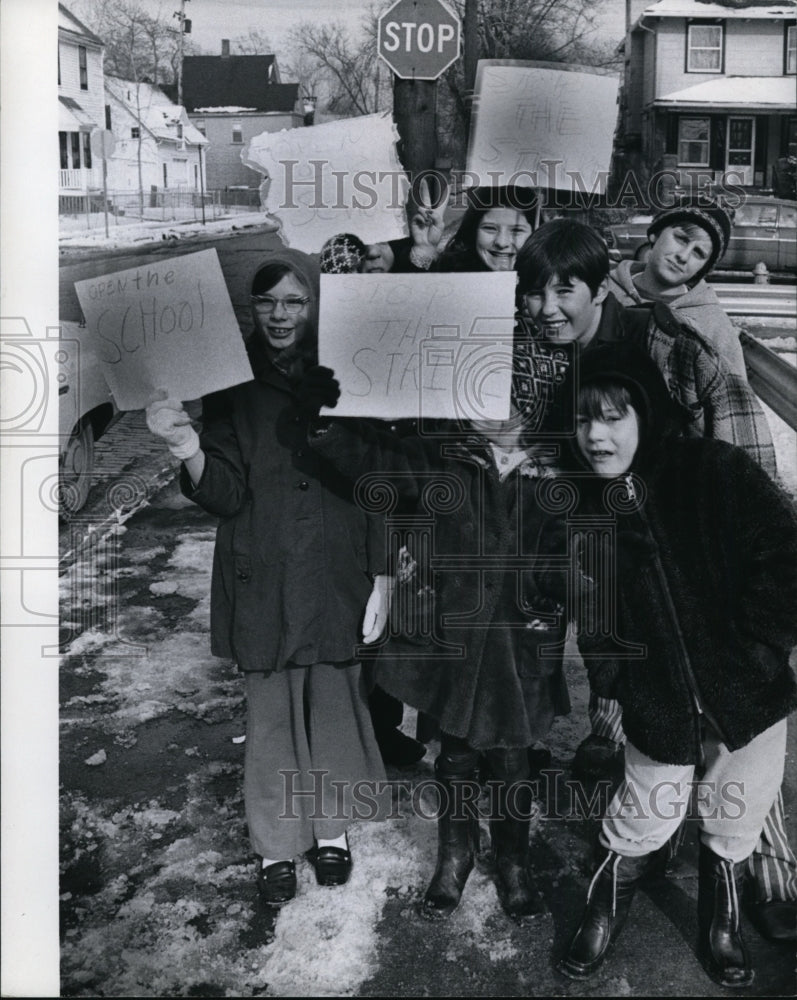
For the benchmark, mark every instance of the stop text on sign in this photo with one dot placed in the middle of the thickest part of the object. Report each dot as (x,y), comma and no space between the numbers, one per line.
(417,37)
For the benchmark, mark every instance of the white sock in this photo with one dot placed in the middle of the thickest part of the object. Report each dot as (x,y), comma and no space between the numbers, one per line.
(272,861)
(340,841)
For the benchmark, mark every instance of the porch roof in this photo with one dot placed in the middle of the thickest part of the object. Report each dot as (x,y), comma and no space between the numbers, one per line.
(734,93)
(72,118)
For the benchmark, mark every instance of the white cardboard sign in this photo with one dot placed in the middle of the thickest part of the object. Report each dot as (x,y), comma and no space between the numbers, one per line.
(543,125)
(419,346)
(166,324)
(340,177)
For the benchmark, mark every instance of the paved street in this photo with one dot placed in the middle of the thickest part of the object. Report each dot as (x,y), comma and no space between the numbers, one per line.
(157,886)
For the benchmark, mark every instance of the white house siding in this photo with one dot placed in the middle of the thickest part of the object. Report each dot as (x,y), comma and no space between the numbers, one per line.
(752,48)
(75,177)
(155,150)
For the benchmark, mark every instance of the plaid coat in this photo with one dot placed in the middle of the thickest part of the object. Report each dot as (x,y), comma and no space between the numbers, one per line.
(714,402)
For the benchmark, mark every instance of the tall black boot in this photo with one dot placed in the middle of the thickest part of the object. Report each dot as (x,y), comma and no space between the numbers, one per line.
(509,831)
(721,947)
(457,843)
(609,898)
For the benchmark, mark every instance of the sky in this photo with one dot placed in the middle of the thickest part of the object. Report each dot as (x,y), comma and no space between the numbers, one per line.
(213,20)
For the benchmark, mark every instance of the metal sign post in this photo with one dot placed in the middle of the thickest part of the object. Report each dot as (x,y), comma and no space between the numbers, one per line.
(103,145)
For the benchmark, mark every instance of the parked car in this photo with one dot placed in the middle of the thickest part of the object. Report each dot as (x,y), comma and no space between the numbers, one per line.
(764,230)
(86,409)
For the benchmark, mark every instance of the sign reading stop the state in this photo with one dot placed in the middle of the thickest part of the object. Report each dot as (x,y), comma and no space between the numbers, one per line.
(419,39)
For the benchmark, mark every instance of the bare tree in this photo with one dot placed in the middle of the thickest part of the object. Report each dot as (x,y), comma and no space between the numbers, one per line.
(254,43)
(544,30)
(349,70)
(138,45)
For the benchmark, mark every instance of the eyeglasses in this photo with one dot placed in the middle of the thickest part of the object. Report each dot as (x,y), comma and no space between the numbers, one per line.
(292,305)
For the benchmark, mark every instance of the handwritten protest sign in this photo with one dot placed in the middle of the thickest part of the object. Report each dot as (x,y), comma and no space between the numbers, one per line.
(543,125)
(419,345)
(341,177)
(166,324)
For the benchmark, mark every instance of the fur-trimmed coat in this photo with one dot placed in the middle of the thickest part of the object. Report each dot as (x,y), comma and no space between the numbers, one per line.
(474,644)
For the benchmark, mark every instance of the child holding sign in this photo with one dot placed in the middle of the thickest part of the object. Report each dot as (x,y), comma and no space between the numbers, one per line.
(488,668)
(296,563)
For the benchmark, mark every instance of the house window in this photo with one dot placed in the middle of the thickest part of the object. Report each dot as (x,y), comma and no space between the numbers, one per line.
(108,117)
(791,49)
(180,171)
(179,131)
(165,177)
(693,142)
(86,150)
(135,132)
(704,45)
(84,69)
(75,150)
(237,132)
(59,65)
(63,150)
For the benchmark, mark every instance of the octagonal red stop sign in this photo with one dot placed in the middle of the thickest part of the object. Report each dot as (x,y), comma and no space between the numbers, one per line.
(419,39)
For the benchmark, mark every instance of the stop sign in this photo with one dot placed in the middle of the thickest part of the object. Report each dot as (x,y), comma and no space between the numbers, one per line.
(419,39)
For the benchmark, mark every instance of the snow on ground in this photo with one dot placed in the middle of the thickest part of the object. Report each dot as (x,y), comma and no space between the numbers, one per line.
(76,232)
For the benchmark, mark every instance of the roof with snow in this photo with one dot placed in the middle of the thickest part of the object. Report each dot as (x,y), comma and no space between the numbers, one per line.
(154,110)
(235,81)
(726,9)
(772,93)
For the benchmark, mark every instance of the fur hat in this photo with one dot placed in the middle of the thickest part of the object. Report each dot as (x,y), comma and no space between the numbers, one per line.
(711,217)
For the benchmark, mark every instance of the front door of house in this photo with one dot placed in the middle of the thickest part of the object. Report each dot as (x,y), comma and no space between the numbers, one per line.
(741,149)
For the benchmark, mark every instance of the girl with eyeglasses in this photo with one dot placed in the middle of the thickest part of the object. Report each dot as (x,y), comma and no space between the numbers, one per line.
(296,584)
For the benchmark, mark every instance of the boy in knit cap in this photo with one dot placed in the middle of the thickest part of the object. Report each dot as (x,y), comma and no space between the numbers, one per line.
(564,296)
(685,243)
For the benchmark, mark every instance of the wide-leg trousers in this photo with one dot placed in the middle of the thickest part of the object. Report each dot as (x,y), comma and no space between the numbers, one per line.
(309,742)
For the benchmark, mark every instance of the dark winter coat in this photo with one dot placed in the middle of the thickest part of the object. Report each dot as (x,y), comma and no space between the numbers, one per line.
(705,582)
(294,556)
(486,663)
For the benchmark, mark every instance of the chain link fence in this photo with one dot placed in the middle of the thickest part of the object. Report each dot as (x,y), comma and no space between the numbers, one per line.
(87,211)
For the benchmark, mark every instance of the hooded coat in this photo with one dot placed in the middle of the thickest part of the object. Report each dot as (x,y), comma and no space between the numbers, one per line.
(704,582)
(479,649)
(294,556)
(698,308)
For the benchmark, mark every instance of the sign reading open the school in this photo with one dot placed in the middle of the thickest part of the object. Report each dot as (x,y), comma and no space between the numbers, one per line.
(167,324)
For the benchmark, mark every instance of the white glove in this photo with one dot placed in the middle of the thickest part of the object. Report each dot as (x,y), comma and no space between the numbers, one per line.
(378,608)
(167,419)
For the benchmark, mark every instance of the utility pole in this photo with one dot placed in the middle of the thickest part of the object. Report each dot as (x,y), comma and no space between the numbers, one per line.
(471,52)
(183,28)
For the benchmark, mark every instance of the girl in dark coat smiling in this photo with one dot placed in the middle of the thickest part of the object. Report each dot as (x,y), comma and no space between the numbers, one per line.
(295,566)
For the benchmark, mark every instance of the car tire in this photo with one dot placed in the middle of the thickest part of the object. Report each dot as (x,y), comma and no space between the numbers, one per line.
(642,252)
(75,469)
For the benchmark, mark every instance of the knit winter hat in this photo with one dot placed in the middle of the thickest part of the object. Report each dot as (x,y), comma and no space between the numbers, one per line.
(713,218)
(342,254)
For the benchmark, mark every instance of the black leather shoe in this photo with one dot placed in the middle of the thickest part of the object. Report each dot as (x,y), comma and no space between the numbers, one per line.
(398,749)
(774,919)
(332,865)
(277,883)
